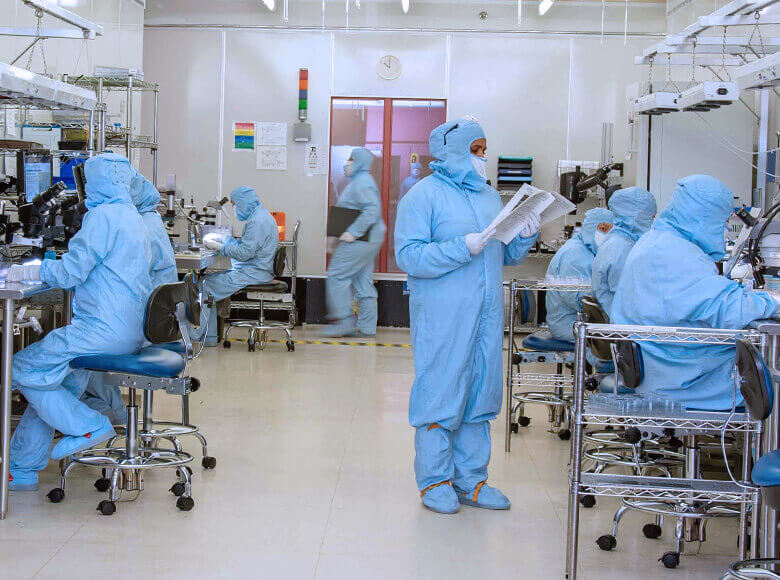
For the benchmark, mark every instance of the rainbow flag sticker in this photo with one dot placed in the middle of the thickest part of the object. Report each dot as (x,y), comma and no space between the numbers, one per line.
(243,136)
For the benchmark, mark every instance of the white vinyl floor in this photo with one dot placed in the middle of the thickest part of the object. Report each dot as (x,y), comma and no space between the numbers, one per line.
(315,480)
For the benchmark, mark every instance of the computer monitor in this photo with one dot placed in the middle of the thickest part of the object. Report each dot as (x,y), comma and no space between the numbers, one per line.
(34,173)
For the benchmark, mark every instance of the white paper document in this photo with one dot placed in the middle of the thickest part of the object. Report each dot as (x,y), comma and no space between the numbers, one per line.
(272,133)
(272,158)
(549,206)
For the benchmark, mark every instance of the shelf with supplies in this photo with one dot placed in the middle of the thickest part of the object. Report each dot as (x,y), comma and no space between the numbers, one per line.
(513,173)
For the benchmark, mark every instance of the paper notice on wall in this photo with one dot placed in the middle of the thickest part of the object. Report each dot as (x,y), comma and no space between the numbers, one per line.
(11,122)
(243,136)
(272,134)
(271,158)
(314,160)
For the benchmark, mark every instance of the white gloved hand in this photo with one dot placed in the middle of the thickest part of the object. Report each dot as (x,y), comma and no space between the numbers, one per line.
(29,273)
(347,237)
(214,241)
(477,242)
(531,226)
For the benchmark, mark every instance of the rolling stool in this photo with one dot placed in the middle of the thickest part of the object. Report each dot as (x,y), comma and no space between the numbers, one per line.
(757,387)
(275,291)
(151,430)
(543,348)
(152,368)
(692,517)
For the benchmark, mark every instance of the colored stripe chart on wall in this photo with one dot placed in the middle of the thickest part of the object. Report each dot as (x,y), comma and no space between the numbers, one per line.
(243,136)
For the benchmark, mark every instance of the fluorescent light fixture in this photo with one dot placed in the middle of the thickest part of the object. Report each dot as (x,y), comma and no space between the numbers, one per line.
(656,103)
(405,6)
(68,3)
(270,4)
(759,74)
(708,95)
(519,11)
(28,88)
(544,6)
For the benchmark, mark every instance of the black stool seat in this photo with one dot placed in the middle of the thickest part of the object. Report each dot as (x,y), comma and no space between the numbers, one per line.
(275,286)
(150,362)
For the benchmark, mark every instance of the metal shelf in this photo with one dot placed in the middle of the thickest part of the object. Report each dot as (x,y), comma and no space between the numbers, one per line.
(669,334)
(550,285)
(541,380)
(115,83)
(693,420)
(665,488)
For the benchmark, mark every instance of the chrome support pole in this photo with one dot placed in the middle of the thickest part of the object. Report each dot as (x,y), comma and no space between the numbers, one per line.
(5,403)
(509,366)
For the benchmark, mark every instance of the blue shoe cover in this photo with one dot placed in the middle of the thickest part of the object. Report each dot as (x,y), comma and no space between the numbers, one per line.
(441,499)
(339,328)
(487,497)
(20,482)
(69,445)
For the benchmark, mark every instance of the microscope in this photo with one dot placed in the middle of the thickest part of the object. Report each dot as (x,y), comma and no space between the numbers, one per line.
(755,256)
(575,184)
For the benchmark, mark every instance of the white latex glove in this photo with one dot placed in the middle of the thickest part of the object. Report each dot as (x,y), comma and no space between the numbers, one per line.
(531,226)
(213,241)
(29,273)
(347,237)
(477,242)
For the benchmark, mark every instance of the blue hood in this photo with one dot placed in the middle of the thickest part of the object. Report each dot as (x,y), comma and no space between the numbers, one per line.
(108,179)
(450,145)
(698,210)
(593,217)
(634,209)
(144,195)
(362,160)
(246,201)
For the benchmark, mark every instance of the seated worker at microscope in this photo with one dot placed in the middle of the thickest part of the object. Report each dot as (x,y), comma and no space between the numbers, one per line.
(670,279)
(575,260)
(107,267)
(162,269)
(252,255)
(634,210)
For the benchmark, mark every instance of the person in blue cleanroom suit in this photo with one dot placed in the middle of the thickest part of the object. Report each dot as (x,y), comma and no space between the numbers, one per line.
(107,267)
(575,260)
(456,314)
(162,269)
(252,255)
(670,279)
(412,180)
(352,264)
(634,210)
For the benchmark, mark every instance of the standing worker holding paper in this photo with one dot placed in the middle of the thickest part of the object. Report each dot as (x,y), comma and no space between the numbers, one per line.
(456,313)
(352,264)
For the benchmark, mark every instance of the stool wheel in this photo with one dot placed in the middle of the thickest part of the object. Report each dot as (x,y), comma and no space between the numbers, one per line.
(106,507)
(102,484)
(178,489)
(250,346)
(56,495)
(588,501)
(514,427)
(675,443)
(185,504)
(209,462)
(670,559)
(652,531)
(524,421)
(591,384)
(290,346)
(564,434)
(607,542)
(226,344)
(633,435)
(194,384)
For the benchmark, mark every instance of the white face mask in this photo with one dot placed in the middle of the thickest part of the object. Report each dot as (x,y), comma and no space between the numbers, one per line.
(480,165)
(598,238)
(348,169)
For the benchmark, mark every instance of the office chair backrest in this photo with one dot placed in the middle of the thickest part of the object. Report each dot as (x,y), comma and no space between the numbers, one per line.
(279,261)
(755,380)
(160,323)
(593,312)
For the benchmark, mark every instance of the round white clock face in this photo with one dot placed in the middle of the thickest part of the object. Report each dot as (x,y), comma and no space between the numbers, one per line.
(389,67)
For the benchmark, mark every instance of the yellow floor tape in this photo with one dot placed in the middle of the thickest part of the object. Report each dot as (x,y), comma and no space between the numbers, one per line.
(335,342)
